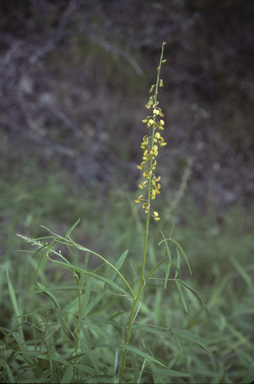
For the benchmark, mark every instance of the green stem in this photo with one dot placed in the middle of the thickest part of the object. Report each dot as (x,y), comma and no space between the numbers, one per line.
(78,330)
(141,282)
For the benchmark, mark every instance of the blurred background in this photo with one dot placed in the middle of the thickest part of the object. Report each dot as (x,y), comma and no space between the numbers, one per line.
(74,81)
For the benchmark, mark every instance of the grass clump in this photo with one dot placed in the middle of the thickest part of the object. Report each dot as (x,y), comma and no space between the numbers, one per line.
(71,322)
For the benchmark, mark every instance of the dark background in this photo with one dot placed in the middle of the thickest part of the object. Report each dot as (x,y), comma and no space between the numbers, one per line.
(74,80)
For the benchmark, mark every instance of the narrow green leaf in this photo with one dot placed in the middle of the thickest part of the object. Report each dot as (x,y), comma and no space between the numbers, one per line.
(84,304)
(171,372)
(199,298)
(172,229)
(12,295)
(73,305)
(179,287)
(105,320)
(44,289)
(112,275)
(71,243)
(80,270)
(167,275)
(242,272)
(177,272)
(166,244)
(67,377)
(180,248)
(71,229)
(9,372)
(44,308)
(178,264)
(101,332)
(141,353)
(189,336)
(90,356)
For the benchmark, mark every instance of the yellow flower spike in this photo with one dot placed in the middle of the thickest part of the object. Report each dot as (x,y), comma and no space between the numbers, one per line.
(150,146)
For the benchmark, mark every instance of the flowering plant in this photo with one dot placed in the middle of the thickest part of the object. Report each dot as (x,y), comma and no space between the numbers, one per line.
(67,341)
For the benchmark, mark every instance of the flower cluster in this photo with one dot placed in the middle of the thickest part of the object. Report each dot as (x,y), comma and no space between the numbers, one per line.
(150,146)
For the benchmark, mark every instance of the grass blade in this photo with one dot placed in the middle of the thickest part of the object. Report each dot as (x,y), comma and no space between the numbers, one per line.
(141,353)
(71,229)
(185,257)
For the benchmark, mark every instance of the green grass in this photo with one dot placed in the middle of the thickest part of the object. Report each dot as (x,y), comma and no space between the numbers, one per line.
(70,296)
(220,255)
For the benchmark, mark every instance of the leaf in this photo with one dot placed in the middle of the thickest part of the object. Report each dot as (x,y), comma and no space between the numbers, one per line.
(242,272)
(179,287)
(178,264)
(44,308)
(71,229)
(67,377)
(112,275)
(166,244)
(101,332)
(44,289)
(73,305)
(171,372)
(13,296)
(189,336)
(199,298)
(9,372)
(141,353)
(84,304)
(81,270)
(172,229)
(180,248)
(167,275)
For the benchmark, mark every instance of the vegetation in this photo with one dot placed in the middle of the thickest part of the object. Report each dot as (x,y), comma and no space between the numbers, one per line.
(73,80)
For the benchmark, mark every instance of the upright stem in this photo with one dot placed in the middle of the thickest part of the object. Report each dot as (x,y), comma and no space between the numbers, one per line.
(78,330)
(141,282)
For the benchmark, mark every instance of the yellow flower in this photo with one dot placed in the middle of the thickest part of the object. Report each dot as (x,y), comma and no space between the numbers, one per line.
(141,186)
(156,216)
(141,166)
(150,122)
(139,200)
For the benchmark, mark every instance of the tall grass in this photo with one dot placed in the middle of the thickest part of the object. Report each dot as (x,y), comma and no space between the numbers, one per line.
(119,320)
